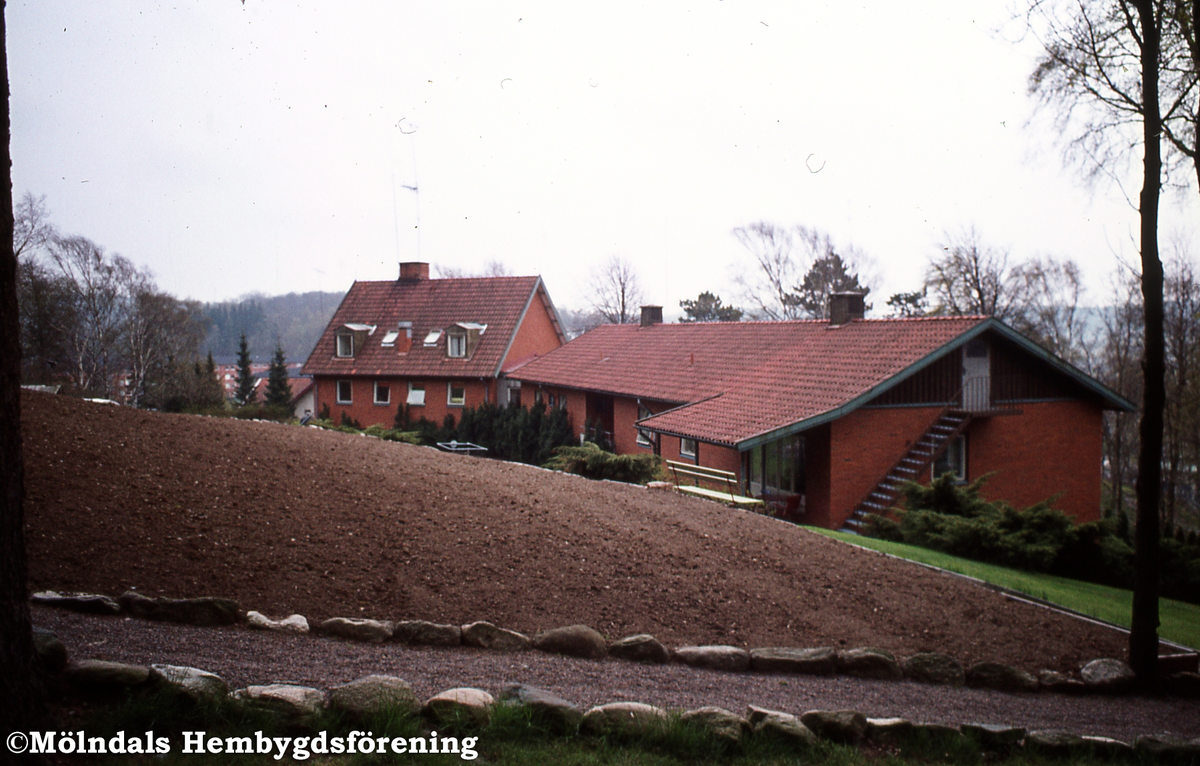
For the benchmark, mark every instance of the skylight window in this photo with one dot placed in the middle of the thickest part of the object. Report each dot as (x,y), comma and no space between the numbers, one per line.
(432,338)
(389,339)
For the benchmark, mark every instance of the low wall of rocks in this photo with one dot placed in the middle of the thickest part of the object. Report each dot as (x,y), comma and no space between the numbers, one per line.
(1100,676)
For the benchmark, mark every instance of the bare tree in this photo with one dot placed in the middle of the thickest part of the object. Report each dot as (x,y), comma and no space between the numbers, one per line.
(1181,415)
(101,288)
(1108,68)
(32,229)
(969,277)
(576,323)
(778,268)
(1040,297)
(42,294)
(492,268)
(1117,366)
(616,292)
(1053,313)
(162,336)
(1089,77)
(795,270)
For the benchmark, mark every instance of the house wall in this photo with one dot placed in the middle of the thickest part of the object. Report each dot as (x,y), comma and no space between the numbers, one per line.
(306,404)
(864,445)
(1052,448)
(366,412)
(536,334)
(625,414)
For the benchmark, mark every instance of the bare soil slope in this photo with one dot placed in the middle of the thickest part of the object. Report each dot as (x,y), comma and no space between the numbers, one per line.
(287,519)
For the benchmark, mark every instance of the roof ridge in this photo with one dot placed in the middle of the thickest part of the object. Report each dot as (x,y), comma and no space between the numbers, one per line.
(445,279)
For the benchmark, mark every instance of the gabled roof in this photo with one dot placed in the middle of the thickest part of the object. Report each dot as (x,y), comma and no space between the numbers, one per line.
(743,383)
(430,305)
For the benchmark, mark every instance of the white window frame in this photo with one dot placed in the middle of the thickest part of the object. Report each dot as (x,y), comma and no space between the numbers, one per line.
(349,387)
(684,443)
(450,399)
(416,394)
(456,345)
(387,387)
(345,345)
(643,438)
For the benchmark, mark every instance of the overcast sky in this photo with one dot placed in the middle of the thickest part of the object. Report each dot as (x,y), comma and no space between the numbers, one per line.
(282,146)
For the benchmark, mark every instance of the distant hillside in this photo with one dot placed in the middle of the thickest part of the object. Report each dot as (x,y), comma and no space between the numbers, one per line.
(296,320)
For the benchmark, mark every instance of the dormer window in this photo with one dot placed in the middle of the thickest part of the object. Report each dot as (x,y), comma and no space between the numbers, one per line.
(351,337)
(462,338)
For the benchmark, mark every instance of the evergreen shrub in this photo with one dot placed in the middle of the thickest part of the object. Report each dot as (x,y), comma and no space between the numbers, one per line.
(589,461)
(954,519)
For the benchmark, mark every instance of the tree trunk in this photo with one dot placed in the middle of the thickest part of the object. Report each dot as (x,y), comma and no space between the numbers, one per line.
(21,705)
(1143,636)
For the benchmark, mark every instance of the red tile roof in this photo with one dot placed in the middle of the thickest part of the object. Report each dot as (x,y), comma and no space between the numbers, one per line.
(430,304)
(741,379)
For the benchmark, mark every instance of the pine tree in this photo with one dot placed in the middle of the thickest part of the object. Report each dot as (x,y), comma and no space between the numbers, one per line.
(708,308)
(212,393)
(279,391)
(245,375)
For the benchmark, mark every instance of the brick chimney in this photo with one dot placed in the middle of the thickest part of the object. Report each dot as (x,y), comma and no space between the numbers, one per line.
(414,271)
(651,315)
(844,307)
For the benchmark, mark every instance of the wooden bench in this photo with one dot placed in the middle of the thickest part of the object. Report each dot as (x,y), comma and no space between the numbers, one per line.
(697,473)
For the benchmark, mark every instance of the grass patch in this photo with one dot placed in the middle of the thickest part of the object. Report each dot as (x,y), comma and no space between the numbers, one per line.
(1180,621)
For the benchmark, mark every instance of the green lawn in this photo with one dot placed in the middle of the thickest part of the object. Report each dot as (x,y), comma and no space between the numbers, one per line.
(1180,621)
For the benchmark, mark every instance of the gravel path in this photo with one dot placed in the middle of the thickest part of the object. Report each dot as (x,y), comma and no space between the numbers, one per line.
(242,656)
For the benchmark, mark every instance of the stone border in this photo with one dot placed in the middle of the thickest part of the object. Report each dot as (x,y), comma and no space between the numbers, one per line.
(1100,676)
(358,700)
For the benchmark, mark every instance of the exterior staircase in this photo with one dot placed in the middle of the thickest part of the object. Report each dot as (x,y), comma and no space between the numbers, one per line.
(949,423)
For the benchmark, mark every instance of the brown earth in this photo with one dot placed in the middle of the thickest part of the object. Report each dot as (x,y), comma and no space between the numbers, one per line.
(287,519)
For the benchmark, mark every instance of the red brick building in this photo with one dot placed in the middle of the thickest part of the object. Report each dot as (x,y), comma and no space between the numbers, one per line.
(825,420)
(433,346)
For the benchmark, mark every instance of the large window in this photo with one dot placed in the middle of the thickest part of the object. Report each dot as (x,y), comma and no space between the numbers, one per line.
(345,345)
(953,460)
(456,394)
(383,393)
(777,470)
(345,392)
(416,394)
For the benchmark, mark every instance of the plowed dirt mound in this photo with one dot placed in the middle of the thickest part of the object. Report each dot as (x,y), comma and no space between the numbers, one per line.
(287,519)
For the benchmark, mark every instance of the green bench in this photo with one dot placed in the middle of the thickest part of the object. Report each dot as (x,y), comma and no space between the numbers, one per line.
(697,474)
